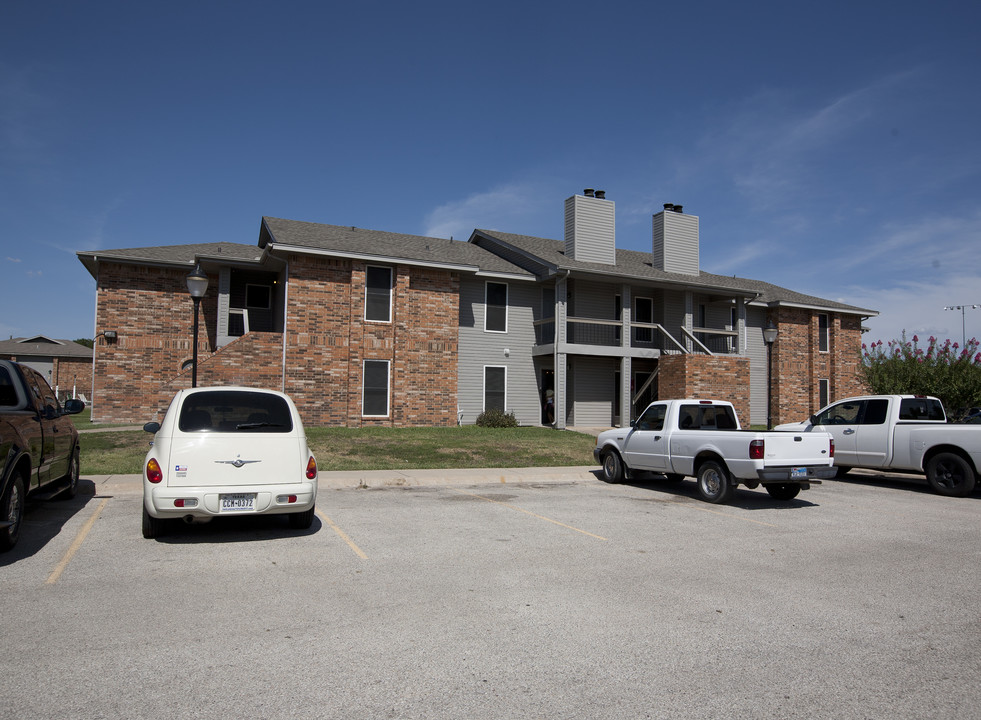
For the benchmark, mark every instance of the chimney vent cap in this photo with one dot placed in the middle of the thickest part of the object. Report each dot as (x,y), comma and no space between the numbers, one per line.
(601,194)
(588,192)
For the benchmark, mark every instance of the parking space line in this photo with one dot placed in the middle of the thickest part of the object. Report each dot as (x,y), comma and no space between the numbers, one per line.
(76,544)
(341,534)
(527,512)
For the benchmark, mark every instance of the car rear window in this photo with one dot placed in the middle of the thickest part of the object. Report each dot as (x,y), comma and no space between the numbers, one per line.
(921,409)
(706,417)
(235,411)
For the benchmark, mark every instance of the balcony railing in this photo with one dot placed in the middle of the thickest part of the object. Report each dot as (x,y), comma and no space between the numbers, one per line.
(608,333)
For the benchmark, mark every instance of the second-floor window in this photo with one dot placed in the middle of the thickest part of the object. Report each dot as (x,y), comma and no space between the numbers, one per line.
(496,304)
(823,332)
(378,294)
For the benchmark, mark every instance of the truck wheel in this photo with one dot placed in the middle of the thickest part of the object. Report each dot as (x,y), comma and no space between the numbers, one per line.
(12,511)
(714,484)
(612,467)
(152,527)
(72,477)
(302,520)
(950,475)
(783,491)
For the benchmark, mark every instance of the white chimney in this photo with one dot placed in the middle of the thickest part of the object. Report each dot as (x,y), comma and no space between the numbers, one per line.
(590,228)
(675,237)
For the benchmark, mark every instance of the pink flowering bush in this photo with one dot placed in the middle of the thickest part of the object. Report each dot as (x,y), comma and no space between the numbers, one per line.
(947,371)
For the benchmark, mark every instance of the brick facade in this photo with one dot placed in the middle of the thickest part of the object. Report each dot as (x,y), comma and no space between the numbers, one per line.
(723,377)
(318,360)
(799,364)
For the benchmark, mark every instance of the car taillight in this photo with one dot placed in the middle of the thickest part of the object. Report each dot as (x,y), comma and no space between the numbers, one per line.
(832,450)
(153,472)
(756,450)
(311,468)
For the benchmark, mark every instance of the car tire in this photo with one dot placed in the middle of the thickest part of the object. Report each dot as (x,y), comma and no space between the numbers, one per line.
(12,511)
(302,520)
(71,489)
(612,467)
(950,474)
(713,483)
(783,491)
(153,527)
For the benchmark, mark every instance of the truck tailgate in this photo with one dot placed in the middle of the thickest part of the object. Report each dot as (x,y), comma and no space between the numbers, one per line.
(796,448)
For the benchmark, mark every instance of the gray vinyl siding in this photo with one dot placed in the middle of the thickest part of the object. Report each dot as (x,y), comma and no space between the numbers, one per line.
(479,349)
(675,242)
(590,234)
(594,300)
(672,318)
(592,391)
(756,349)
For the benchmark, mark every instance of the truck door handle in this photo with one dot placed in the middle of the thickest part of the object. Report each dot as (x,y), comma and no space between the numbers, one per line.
(849,431)
(657,437)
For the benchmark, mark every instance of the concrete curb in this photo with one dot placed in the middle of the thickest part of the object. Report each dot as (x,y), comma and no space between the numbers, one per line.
(368,479)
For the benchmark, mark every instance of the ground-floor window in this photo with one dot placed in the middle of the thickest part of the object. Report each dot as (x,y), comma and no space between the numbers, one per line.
(495,387)
(823,398)
(375,388)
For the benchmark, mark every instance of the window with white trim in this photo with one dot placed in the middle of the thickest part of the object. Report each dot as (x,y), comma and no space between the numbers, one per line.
(495,387)
(378,294)
(823,333)
(375,388)
(496,307)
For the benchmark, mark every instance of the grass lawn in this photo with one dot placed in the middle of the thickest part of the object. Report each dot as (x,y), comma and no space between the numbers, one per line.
(122,452)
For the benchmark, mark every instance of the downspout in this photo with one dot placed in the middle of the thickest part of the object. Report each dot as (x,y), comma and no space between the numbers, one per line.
(286,315)
(559,369)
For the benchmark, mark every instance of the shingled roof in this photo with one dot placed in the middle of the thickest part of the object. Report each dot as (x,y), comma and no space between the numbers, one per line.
(173,255)
(545,256)
(43,346)
(346,241)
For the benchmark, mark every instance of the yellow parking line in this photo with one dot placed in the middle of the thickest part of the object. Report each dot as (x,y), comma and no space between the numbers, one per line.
(342,535)
(527,512)
(79,539)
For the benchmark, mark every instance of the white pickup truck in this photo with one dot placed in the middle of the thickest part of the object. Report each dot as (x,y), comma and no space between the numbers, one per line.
(908,433)
(702,439)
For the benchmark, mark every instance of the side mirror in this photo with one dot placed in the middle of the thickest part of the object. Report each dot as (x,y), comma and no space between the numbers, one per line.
(633,423)
(73,406)
(152,427)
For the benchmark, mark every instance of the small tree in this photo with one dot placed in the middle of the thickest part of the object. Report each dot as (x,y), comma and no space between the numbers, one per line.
(946,371)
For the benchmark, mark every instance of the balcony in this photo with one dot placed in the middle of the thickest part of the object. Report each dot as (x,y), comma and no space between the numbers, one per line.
(599,334)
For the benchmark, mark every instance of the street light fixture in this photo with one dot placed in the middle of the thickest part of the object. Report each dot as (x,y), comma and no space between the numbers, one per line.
(962,308)
(769,337)
(197,285)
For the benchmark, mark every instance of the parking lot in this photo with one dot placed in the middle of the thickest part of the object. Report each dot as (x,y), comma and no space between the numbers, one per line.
(563,599)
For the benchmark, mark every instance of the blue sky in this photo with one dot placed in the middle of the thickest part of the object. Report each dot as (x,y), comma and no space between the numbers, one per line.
(833,148)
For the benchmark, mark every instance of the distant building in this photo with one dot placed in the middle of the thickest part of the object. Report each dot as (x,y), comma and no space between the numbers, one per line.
(66,365)
(364,328)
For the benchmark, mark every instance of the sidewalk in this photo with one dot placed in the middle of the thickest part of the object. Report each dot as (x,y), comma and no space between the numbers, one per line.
(376,479)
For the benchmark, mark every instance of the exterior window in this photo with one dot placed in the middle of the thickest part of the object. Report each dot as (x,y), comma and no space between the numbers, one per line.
(823,398)
(374,402)
(823,332)
(378,294)
(258,297)
(495,387)
(643,313)
(496,304)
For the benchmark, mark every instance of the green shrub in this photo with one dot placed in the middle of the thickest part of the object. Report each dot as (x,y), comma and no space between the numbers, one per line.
(496,418)
(946,370)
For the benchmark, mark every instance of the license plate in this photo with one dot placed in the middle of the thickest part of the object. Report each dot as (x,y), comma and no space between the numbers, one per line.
(236,502)
(798,473)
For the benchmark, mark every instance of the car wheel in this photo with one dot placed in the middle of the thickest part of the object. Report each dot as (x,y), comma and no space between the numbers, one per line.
(950,475)
(153,527)
(783,491)
(72,477)
(12,512)
(714,484)
(612,467)
(302,520)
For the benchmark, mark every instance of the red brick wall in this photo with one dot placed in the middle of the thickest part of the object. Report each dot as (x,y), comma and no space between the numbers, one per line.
(326,343)
(69,373)
(711,377)
(798,364)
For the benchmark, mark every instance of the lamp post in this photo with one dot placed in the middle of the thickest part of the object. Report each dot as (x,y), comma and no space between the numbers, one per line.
(769,337)
(963,308)
(197,285)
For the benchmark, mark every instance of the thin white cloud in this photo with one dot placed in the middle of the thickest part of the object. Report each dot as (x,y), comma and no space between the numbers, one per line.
(509,208)
(13,260)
